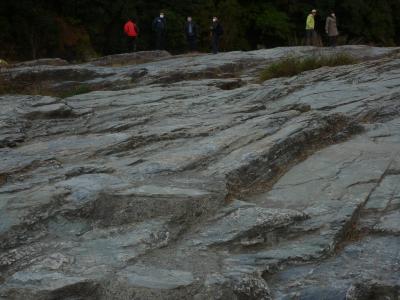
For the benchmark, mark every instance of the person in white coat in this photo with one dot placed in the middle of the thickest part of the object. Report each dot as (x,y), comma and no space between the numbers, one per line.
(331,29)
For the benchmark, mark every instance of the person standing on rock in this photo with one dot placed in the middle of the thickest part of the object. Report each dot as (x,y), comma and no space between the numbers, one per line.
(216,32)
(160,28)
(331,29)
(310,28)
(191,34)
(131,31)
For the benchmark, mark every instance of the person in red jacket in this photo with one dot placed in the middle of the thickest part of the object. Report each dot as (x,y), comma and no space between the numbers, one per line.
(131,31)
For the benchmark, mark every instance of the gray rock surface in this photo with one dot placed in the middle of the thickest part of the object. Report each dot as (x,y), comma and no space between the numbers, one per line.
(130,58)
(184,177)
(42,62)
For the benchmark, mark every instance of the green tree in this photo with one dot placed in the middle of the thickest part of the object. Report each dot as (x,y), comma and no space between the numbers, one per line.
(78,29)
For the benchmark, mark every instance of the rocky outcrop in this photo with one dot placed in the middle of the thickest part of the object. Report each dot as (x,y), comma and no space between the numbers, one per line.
(42,62)
(123,71)
(186,178)
(130,58)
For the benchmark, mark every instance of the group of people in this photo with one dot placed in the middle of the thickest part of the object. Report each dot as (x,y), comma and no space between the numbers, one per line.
(160,29)
(216,31)
(331,28)
(191,33)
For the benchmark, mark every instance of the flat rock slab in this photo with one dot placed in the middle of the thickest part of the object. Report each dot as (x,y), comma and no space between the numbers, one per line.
(244,224)
(159,191)
(389,223)
(373,259)
(152,278)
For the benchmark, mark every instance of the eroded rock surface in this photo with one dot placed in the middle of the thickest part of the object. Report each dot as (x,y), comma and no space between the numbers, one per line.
(186,178)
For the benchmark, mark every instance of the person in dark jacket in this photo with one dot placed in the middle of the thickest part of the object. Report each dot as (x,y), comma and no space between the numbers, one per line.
(131,32)
(160,28)
(331,29)
(216,32)
(191,34)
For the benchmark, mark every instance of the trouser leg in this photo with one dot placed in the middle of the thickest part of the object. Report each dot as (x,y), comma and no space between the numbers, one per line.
(309,37)
(314,38)
(189,42)
(192,43)
(195,44)
(159,42)
(163,41)
(133,44)
(129,44)
(215,44)
(334,41)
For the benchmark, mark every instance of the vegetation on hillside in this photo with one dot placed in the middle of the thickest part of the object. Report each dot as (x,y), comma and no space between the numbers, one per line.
(291,66)
(78,29)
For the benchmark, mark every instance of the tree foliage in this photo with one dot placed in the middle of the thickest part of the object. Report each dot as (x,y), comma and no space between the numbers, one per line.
(78,29)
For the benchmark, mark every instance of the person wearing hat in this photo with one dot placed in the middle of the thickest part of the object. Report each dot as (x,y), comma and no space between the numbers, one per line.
(310,28)
(331,29)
